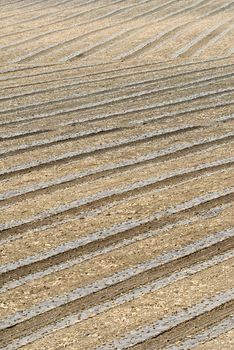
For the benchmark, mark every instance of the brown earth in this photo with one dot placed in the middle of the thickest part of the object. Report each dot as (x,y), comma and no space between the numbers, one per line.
(116,174)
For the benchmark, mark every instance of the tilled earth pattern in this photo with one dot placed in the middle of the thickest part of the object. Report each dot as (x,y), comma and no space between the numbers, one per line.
(116,174)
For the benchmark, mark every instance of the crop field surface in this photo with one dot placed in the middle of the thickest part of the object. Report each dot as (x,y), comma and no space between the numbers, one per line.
(116,174)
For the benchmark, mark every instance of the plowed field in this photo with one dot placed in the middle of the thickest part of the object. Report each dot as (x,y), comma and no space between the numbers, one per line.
(116,174)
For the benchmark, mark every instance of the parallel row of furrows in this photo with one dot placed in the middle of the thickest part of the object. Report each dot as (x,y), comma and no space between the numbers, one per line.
(103,239)
(98,18)
(134,137)
(92,94)
(81,53)
(127,164)
(128,192)
(115,177)
(85,98)
(158,38)
(183,331)
(37,70)
(198,43)
(15,10)
(113,235)
(175,327)
(62,182)
(94,18)
(194,48)
(41,139)
(144,277)
(162,37)
(23,324)
(52,13)
(163,12)
(72,254)
(122,76)
(128,104)
(89,144)
(34,54)
(143,138)
(121,90)
(38,74)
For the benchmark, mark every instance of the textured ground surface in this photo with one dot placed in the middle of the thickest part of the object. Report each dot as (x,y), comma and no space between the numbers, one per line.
(116,175)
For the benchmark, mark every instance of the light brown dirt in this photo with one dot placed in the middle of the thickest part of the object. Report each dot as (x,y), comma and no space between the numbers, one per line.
(120,71)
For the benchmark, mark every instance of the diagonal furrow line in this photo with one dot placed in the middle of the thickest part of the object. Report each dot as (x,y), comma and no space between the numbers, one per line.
(20,134)
(160,37)
(213,40)
(199,40)
(104,198)
(164,325)
(67,157)
(138,73)
(60,139)
(208,243)
(131,295)
(151,158)
(94,244)
(200,82)
(219,9)
(168,65)
(210,334)
(165,116)
(61,2)
(78,14)
(108,102)
(59,266)
(154,9)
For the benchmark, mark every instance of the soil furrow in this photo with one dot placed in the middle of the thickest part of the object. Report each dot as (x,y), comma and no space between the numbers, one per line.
(118,104)
(65,158)
(194,319)
(120,82)
(116,167)
(115,252)
(20,194)
(96,310)
(104,239)
(19,328)
(97,69)
(203,39)
(211,333)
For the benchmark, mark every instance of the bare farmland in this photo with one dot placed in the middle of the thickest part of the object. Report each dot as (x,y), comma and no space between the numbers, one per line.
(116,174)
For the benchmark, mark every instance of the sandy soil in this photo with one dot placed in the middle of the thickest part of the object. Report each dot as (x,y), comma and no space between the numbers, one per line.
(116,174)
